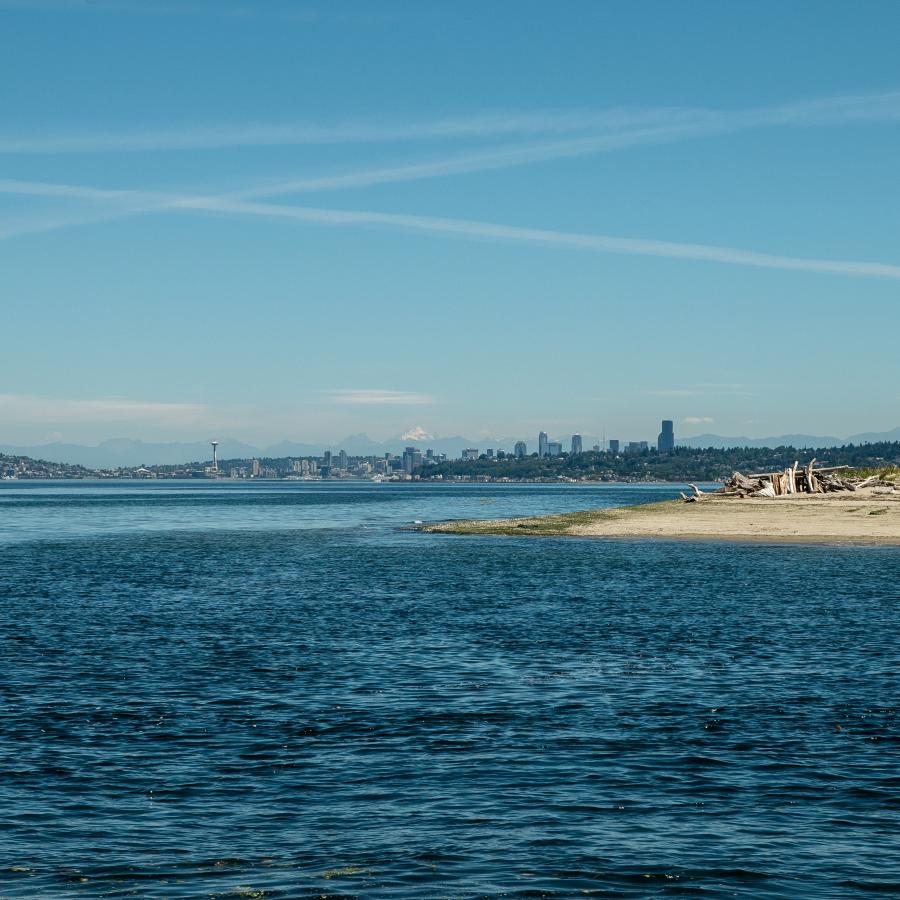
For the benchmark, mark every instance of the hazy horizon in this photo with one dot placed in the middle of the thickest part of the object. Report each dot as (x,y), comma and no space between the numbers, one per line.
(424,439)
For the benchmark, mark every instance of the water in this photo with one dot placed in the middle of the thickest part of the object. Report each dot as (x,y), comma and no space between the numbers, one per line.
(274,691)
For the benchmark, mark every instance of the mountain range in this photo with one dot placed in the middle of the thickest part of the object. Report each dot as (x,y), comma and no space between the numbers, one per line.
(121,452)
(118,452)
(789,440)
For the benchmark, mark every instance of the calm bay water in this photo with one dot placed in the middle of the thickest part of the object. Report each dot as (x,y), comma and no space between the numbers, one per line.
(274,690)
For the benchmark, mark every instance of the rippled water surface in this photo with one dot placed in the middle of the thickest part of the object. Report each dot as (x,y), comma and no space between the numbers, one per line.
(275,690)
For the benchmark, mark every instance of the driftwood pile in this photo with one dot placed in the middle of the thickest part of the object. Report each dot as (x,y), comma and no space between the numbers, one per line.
(793,480)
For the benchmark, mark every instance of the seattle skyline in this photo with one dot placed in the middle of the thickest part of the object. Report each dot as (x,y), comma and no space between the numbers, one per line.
(378,232)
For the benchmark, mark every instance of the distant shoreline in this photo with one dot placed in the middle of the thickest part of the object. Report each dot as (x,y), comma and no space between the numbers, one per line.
(354,480)
(860,518)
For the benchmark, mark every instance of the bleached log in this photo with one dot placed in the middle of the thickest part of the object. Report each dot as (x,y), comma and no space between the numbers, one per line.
(818,471)
(765,491)
(810,478)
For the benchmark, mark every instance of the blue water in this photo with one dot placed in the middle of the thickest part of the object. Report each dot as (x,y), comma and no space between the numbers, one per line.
(275,690)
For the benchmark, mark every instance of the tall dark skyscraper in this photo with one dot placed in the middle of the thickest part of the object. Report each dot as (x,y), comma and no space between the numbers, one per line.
(543,444)
(665,443)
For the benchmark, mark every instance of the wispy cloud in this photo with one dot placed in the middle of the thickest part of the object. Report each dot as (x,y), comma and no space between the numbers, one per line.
(675,392)
(629,126)
(30,409)
(218,9)
(369,397)
(704,389)
(698,420)
(134,7)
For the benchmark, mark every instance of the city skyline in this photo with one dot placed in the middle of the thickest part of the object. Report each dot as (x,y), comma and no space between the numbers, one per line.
(124,452)
(479,221)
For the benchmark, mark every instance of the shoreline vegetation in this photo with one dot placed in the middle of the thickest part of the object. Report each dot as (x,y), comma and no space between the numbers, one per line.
(870,515)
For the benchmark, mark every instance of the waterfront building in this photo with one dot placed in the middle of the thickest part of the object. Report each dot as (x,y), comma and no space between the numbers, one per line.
(520,449)
(665,443)
(254,469)
(543,444)
(576,444)
(342,460)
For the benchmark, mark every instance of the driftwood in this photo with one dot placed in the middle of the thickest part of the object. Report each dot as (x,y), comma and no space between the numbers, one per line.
(793,480)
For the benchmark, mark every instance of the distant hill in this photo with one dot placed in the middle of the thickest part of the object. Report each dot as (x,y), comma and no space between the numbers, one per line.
(122,452)
(118,452)
(788,440)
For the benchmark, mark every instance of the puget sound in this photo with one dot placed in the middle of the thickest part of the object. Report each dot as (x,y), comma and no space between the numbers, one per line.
(283,689)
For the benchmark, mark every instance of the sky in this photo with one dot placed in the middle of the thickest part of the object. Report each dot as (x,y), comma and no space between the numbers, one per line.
(291,220)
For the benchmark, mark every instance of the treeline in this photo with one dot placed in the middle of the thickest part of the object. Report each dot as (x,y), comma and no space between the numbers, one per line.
(26,467)
(682,464)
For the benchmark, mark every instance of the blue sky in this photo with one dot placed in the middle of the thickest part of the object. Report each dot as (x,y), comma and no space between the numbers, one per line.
(299,220)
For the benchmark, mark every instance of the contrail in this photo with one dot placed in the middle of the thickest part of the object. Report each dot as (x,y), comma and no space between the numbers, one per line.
(145,202)
(878,107)
(575,240)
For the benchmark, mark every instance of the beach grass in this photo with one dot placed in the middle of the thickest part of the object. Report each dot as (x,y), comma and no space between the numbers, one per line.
(558,524)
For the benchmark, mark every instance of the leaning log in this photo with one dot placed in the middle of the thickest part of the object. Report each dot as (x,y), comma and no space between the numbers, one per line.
(811,485)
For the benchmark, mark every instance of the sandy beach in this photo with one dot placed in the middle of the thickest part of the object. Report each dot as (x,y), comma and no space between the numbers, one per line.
(862,517)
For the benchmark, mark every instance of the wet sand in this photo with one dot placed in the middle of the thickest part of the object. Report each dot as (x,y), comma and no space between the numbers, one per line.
(862,517)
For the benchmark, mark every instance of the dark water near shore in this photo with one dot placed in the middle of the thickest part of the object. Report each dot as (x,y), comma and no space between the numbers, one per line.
(273,691)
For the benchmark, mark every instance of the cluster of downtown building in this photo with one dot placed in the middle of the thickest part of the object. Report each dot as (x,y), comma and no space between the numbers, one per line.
(413,461)
(665,443)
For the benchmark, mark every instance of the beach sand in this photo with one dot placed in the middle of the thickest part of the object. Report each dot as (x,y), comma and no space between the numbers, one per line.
(862,517)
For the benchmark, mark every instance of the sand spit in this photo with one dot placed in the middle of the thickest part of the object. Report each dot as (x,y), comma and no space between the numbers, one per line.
(862,517)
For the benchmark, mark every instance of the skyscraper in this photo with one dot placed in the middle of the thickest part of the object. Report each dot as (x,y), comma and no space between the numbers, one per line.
(665,443)
(576,444)
(520,449)
(543,444)
(613,447)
